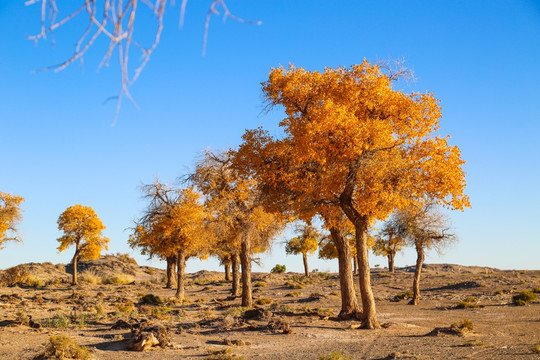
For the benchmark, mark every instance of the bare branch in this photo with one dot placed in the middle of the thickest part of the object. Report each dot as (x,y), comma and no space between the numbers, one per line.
(117,22)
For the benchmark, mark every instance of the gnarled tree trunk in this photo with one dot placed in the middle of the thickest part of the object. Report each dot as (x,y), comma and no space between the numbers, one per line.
(74,263)
(349,303)
(306,268)
(171,263)
(181,266)
(235,275)
(360,222)
(417,271)
(227,271)
(245,258)
(391,256)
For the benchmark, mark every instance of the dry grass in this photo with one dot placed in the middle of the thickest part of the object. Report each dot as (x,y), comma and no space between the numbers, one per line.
(63,347)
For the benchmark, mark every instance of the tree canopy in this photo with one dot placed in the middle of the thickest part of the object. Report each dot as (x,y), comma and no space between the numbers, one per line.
(10,216)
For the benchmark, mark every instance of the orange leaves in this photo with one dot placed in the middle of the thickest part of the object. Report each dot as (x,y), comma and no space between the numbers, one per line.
(10,215)
(347,116)
(82,228)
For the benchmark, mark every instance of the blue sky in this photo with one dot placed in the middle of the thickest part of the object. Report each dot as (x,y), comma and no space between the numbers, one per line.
(58,148)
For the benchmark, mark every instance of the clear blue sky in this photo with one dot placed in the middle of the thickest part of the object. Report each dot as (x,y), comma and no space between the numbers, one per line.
(58,148)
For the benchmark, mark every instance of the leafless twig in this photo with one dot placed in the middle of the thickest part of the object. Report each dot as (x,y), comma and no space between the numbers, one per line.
(115,19)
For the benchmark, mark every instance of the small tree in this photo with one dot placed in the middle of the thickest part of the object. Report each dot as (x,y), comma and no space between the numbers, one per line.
(389,241)
(82,228)
(306,243)
(424,227)
(10,215)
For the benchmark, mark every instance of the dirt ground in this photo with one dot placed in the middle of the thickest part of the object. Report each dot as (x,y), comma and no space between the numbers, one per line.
(297,319)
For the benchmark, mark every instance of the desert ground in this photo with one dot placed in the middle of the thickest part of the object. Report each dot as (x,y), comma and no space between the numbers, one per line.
(295,317)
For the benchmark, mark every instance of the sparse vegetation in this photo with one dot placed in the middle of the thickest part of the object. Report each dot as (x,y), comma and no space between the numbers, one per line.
(335,355)
(404,295)
(121,279)
(63,347)
(524,298)
(468,303)
(536,349)
(91,277)
(151,299)
(259,284)
(293,294)
(263,301)
(463,327)
(223,354)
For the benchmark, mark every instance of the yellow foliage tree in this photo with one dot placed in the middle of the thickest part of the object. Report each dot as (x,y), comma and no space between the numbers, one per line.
(352,141)
(235,201)
(173,226)
(82,228)
(10,215)
(389,241)
(306,243)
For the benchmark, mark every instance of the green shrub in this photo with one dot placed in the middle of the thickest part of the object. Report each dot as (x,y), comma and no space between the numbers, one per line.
(524,298)
(468,303)
(161,312)
(63,347)
(35,282)
(59,320)
(278,269)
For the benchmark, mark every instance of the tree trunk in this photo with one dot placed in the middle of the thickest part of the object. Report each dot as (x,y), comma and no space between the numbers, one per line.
(235,275)
(391,262)
(417,271)
(181,266)
(171,263)
(360,222)
(306,268)
(355,265)
(74,263)
(349,303)
(369,311)
(245,257)
(227,271)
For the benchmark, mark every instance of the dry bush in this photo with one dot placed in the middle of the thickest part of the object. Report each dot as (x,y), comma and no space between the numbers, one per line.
(223,354)
(335,355)
(463,327)
(259,284)
(404,295)
(151,299)
(121,279)
(524,298)
(63,347)
(126,259)
(15,276)
(263,301)
(468,303)
(536,349)
(91,277)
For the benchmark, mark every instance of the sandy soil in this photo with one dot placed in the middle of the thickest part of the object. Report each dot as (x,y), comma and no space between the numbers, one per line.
(210,319)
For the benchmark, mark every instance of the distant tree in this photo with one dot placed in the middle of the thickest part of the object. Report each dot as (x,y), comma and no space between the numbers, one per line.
(305,243)
(389,241)
(82,228)
(173,226)
(236,202)
(424,227)
(10,216)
